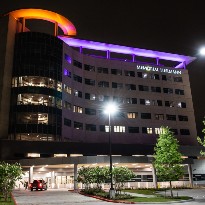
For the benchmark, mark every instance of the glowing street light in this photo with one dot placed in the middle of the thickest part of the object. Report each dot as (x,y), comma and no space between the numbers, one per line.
(110,109)
(202,51)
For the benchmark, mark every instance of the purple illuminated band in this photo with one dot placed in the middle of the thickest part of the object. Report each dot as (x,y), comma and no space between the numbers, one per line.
(182,60)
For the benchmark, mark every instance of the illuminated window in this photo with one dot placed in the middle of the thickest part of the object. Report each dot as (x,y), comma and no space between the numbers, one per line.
(119,128)
(77,93)
(159,116)
(149,130)
(181,105)
(67,73)
(60,155)
(33,155)
(107,128)
(78,125)
(132,115)
(67,89)
(159,131)
(68,58)
(77,109)
(147,102)
(144,75)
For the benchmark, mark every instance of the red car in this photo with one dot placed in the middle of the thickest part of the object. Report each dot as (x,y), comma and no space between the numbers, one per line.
(38,184)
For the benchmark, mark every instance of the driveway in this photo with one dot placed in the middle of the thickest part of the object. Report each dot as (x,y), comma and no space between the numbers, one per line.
(65,197)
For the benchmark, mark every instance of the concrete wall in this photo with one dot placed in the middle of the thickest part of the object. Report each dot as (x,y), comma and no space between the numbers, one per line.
(7,40)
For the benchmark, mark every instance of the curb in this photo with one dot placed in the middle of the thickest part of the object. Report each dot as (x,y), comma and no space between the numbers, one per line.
(12,196)
(127,202)
(108,200)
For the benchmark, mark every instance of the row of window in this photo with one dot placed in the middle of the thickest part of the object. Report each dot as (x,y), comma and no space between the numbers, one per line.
(105,128)
(130,73)
(106,84)
(89,111)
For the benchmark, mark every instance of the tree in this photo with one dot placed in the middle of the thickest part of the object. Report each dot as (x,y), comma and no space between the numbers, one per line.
(202,142)
(9,174)
(167,157)
(120,176)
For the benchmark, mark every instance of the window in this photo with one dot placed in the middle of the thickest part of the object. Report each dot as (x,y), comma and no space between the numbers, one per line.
(178,79)
(131,100)
(175,131)
(159,116)
(139,74)
(102,128)
(68,58)
(129,73)
(184,132)
(103,84)
(181,105)
(132,115)
(169,103)
(116,71)
(156,89)
(144,75)
(67,105)
(77,78)
(179,92)
(102,70)
(89,82)
(183,118)
(119,128)
(89,67)
(143,88)
(67,122)
(67,89)
(154,76)
(147,130)
(171,117)
(77,93)
(90,127)
(90,96)
(168,90)
(89,111)
(159,102)
(117,85)
(67,73)
(133,129)
(145,115)
(78,125)
(145,102)
(166,78)
(130,87)
(118,99)
(159,131)
(77,109)
(77,64)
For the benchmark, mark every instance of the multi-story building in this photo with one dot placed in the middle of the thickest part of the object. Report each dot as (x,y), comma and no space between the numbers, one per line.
(54,89)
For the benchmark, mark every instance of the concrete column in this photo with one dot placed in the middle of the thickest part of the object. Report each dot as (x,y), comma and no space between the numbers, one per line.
(53,180)
(75,176)
(157,59)
(81,49)
(56,29)
(108,54)
(31,174)
(190,175)
(154,177)
(23,21)
(133,57)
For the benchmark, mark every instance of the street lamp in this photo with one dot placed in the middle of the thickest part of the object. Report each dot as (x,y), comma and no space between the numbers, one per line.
(202,51)
(110,108)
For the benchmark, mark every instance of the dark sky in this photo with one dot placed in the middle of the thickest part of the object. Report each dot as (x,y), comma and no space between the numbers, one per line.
(175,26)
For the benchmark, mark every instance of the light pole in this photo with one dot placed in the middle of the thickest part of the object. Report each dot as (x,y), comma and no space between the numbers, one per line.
(111,108)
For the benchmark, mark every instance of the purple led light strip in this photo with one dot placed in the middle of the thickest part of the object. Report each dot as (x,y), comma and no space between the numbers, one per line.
(183,60)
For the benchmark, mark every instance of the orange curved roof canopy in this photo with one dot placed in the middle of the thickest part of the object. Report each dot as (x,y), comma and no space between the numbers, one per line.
(67,27)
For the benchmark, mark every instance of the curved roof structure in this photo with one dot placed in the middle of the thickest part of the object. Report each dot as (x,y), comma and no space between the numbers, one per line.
(66,25)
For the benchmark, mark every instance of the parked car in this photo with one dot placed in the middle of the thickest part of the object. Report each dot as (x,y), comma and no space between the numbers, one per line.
(38,184)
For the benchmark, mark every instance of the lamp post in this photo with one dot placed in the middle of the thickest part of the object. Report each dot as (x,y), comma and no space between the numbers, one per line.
(110,109)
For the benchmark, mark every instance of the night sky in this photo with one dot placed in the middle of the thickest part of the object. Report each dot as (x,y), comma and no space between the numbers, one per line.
(170,26)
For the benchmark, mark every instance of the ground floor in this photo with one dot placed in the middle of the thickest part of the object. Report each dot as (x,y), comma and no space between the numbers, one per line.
(61,172)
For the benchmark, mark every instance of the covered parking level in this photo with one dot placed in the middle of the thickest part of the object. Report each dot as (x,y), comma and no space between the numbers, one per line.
(61,172)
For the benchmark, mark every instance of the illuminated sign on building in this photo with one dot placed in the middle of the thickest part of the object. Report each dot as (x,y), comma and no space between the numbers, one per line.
(156,69)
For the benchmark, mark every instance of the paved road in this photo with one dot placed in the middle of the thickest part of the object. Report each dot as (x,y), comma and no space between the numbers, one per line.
(64,197)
